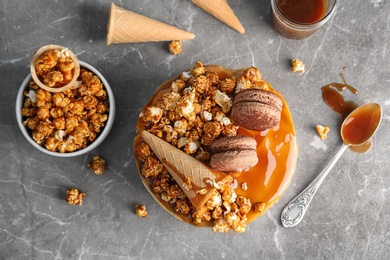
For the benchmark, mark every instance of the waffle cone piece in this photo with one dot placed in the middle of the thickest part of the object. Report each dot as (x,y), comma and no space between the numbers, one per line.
(182,166)
(221,10)
(125,26)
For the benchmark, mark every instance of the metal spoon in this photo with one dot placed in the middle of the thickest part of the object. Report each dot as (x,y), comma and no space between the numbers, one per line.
(356,130)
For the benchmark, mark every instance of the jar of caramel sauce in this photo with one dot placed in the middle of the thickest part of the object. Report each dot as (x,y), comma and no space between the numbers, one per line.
(298,19)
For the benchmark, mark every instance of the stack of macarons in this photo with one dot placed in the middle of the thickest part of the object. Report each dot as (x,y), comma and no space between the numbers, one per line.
(255,109)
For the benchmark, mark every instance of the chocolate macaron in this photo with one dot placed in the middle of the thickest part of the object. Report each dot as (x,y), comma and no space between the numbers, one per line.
(234,153)
(256,109)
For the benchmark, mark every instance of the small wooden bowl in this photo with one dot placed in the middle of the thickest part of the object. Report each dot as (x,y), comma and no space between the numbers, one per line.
(76,69)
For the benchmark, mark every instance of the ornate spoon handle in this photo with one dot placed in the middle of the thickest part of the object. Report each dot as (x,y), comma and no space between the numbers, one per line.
(294,211)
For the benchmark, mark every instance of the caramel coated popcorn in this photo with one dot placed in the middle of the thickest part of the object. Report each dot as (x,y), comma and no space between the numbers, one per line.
(98,165)
(175,47)
(140,211)
(74,196)
(322,131)
(54,68)
(259,207)
(297,66)
(70,120)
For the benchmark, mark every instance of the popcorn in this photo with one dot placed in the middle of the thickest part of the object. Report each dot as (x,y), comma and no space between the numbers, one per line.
(252,74)
(244,205)
(152,167)
(214,201)
(32,95)
(207,116)
(187,184)
(170,101)
(191,147)
(74,196)
(243,84)
(223,100)
(201,192)
(211,131)
(175,47)
(229,195)
(182,207)
(198,69)
(297,66)
(322,131)
(228,85)
(185,76)
(178,85)
(140,211)
(152,114)
(221,226)
(184,106)
(259,207)
(222,118)
(182,142)
(98,165)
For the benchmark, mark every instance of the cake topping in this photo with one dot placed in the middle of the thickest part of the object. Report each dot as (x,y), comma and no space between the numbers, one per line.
(235,153)
(256,109)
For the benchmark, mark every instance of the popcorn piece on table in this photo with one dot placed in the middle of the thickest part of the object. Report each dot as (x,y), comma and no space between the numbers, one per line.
(140,211)
(322,131)
(175,47)
(297,66)
(74,196)
(98,165)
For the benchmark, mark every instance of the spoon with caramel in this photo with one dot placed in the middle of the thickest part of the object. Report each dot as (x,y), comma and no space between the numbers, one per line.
(356,131)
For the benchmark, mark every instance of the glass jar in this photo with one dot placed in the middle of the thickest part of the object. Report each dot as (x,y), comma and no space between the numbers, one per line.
(299,25)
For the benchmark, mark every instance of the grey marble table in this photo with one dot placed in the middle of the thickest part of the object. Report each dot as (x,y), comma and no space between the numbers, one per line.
(348,218)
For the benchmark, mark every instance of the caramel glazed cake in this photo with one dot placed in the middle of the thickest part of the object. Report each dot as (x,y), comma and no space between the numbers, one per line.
(216,147)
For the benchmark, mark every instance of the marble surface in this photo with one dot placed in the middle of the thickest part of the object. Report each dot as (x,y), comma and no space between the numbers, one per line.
(348,218)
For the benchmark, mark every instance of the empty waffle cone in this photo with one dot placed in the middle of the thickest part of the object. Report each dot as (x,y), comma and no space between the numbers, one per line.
(182,166)
(222,11)
(125,26)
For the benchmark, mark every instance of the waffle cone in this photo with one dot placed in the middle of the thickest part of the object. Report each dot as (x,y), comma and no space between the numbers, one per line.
(125,26)
(182,166)
(222,11)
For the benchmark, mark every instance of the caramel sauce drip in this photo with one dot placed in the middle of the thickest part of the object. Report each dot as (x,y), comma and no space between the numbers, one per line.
(333,98)
(277,150)
(331,94)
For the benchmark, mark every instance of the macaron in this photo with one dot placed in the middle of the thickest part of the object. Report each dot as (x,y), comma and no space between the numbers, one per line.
(234,154)
(256,109)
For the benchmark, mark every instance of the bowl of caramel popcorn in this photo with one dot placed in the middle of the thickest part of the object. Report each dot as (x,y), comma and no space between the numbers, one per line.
(68,123)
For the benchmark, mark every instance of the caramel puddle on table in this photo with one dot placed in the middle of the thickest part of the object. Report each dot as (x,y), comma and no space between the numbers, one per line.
(331,94)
